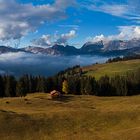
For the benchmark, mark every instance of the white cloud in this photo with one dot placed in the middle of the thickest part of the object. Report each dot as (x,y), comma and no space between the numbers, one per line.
(96,38)
(17,20)
(126,33)
(129,32)
(43,41)
(48,40)
(64,3)
(114,9)
(75,27)
(63,38)
(128,9)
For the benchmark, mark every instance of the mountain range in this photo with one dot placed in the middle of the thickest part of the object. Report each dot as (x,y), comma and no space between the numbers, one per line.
(113,48)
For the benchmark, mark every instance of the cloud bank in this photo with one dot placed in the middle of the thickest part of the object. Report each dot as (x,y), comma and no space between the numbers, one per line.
(126,33)
(24,63)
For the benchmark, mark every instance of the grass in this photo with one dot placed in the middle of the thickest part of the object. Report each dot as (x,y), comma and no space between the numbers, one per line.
(112,69)
(71,118)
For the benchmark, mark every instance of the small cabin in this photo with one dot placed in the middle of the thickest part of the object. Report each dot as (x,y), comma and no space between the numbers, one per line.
(55,94)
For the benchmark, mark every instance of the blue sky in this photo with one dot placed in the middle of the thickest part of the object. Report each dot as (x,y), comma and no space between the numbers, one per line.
(46,22)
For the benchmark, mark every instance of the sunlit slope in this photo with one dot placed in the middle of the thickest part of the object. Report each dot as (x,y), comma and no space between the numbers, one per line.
(71,118)
(111,69)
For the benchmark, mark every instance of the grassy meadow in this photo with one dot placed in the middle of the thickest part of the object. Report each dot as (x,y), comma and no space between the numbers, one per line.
(70,118)
(111,69)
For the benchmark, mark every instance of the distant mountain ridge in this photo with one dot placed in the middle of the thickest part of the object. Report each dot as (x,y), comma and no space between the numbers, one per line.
(54,50)
(121,45)
(5,49)
(113,47)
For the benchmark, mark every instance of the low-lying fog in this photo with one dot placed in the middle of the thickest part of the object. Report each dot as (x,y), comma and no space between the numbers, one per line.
(36,64)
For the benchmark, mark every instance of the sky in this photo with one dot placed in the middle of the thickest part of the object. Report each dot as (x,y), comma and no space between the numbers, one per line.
(44,23)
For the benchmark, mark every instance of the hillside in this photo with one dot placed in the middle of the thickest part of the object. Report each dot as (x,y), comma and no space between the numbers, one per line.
(111,69)
(73,117)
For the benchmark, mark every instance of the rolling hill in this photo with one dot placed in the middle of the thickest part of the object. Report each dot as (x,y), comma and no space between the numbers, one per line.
(71,118)
(111,69)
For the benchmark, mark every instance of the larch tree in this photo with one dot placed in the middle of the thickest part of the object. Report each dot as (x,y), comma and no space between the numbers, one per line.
(65,87)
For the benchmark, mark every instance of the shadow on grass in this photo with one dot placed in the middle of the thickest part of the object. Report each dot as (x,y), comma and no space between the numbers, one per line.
(64,98)
(4,111)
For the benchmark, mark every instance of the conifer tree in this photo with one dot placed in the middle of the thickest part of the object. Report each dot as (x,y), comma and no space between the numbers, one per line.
(88,86)
(104,88)
(10,86)
(41,84)
(49,83)
(1,87)
(21,87)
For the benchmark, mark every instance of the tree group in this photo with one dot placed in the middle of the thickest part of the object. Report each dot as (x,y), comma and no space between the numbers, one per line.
(74,84)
